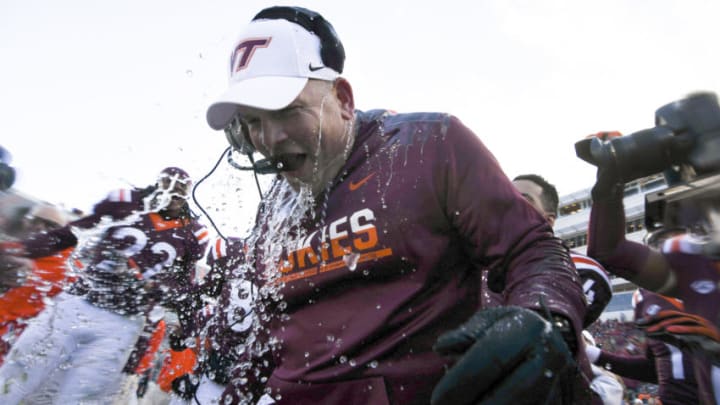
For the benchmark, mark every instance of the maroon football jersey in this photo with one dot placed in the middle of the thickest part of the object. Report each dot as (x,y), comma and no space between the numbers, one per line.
(133,257)
(698,281)
(662,364)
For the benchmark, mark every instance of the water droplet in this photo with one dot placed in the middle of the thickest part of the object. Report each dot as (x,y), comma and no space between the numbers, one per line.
(351,260)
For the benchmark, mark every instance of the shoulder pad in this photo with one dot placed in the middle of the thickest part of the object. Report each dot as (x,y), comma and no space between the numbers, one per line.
(202,235)
(219,249)
(587,264)
(232,247)
(424,118)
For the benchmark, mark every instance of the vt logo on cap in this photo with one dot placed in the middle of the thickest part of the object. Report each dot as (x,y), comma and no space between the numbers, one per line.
(272,61)
(244,52)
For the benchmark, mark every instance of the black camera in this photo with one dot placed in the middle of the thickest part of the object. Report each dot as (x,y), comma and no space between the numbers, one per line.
(682,206)
(686,131)
(686,135)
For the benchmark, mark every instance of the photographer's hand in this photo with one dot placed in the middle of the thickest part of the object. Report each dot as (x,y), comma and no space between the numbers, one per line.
(605,136)
(608,181)
(507,355)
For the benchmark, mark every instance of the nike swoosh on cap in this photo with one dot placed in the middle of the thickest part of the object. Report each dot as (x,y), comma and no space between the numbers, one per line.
(315,68)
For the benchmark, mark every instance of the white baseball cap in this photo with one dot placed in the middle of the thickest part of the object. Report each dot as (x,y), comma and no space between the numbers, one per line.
(270,64)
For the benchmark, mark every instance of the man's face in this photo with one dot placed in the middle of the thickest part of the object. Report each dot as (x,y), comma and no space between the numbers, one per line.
(311,136)
(533,194)
(175,186)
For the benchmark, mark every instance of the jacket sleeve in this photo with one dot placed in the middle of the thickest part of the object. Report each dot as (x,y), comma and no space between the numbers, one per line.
(640,368)
(503,232)
(606,239)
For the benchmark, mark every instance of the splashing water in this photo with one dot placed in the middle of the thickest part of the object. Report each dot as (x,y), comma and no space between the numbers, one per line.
(89,240)
(281,231)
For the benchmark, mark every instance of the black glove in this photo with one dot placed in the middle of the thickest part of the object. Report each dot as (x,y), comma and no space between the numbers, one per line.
(608,182)
(507,355)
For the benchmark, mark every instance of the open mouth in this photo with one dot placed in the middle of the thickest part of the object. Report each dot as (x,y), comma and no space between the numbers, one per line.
(288,162)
